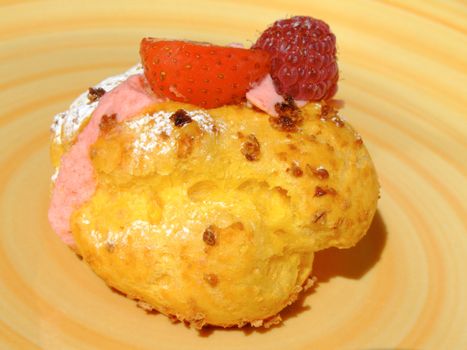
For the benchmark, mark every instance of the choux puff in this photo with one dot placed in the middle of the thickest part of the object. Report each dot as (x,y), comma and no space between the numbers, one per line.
(214,216)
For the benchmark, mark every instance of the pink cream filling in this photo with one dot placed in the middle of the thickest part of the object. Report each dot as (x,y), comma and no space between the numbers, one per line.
(76,183)
(265,97)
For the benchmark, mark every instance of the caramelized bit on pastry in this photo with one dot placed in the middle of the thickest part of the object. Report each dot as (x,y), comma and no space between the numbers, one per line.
(108,122)
(251,148)
(289,116)
(180,118)
(320,172)
(210,235)
(295,170)
(322,191)
(95,94)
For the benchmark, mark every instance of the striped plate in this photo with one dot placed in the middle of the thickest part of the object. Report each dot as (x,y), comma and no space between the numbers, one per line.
(403,67)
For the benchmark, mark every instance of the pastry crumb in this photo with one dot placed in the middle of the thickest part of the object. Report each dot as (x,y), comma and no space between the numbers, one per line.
(143,305)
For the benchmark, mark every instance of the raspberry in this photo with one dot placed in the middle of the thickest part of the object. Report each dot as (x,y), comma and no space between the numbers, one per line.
(303,58)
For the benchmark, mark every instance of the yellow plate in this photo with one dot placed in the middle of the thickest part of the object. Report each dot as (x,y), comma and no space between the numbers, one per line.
(403,68)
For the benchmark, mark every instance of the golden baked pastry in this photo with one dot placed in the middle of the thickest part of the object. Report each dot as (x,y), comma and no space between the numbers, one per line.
(213,217)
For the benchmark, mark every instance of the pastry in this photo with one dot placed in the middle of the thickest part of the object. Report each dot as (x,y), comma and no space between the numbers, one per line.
(202,181)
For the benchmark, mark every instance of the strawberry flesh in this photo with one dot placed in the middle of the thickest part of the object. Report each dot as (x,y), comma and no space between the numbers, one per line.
(202,74)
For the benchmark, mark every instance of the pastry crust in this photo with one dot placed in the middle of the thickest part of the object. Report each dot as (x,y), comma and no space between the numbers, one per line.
(218,219)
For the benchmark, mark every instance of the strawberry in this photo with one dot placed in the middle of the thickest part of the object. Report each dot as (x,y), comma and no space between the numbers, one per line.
(201,74)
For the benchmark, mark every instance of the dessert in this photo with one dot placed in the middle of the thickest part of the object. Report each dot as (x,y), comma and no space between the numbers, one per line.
(202,181)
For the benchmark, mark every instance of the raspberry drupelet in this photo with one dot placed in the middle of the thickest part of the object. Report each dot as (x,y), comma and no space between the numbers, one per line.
(303,58)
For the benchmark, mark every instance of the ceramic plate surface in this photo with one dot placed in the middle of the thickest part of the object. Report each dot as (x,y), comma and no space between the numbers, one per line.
(403,78)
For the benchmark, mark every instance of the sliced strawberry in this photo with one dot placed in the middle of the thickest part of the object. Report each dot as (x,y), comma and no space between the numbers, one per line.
(202,74)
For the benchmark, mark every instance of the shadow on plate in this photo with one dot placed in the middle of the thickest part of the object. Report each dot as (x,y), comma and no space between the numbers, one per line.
(355,262)
(351,263)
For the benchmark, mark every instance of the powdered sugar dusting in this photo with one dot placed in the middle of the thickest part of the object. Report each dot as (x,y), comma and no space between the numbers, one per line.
(67,124)
(115,238)
(54,176)
(150,127)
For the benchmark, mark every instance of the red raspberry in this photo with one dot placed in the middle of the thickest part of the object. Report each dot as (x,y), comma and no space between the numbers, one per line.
(303,53)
